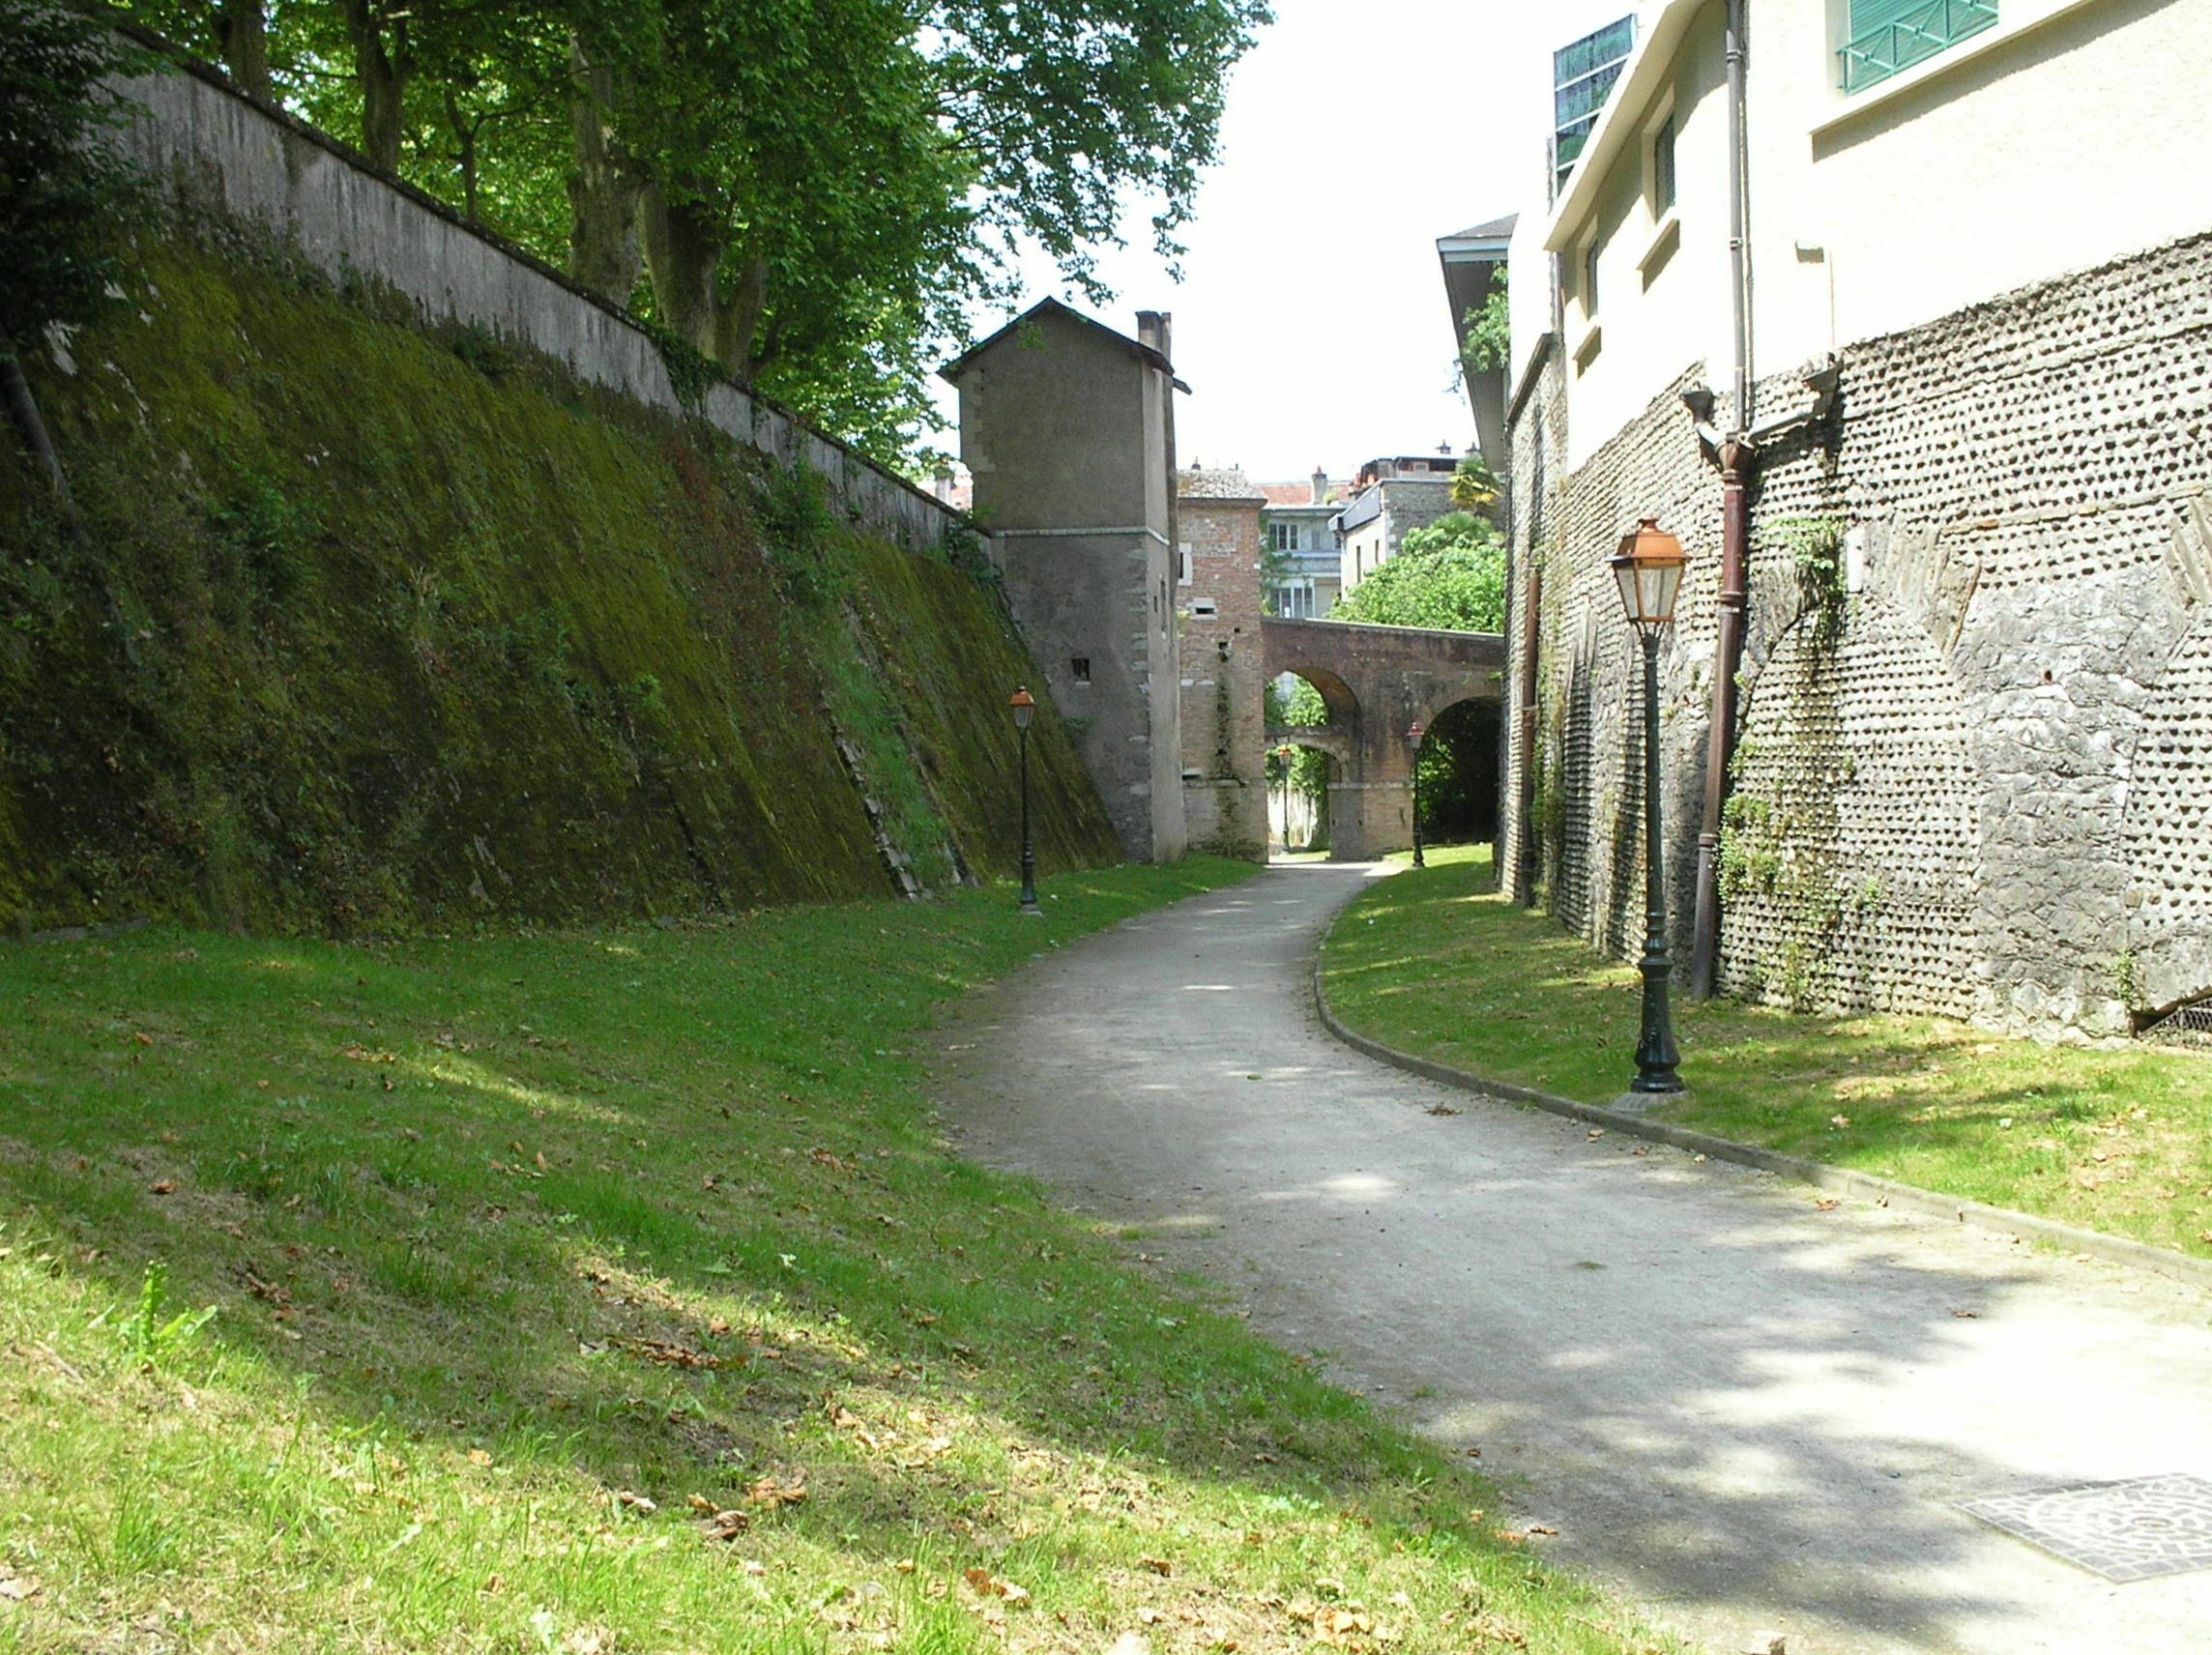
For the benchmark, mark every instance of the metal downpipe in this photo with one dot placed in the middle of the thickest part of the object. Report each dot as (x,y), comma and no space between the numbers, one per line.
(1735,457)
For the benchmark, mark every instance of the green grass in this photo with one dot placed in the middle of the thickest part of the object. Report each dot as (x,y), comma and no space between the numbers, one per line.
(2117,1139)
(534,1252)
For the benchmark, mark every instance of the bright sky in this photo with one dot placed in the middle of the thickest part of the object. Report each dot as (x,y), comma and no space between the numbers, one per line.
(1311,324)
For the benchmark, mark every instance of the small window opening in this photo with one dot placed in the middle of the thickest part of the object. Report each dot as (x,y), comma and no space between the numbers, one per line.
(1080,669)
(1663,170)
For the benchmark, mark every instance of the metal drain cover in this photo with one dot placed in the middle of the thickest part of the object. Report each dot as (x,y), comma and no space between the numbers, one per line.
(2124,1531)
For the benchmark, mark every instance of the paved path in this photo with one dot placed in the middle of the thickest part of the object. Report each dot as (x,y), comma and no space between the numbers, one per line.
(1750,1414)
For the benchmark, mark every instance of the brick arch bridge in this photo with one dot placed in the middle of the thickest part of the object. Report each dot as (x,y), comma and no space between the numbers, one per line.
(1376,681)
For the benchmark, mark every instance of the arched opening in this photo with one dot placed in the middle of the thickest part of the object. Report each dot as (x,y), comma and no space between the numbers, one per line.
(1311,717)
(1458,774)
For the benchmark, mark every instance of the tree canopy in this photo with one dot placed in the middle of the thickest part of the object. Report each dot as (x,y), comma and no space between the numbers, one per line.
(812,193)
(1450,574)
(62,181)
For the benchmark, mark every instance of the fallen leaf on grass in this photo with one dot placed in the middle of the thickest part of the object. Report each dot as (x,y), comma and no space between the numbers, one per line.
(1965,1315)
(662,1350)
(1441,1109)
(1339,1625)
(477,1457)
(637,1502)
(770,1493)
(1826,1203)
(1156,1565)
(1542,1528)
(163,1186)
(988,1586)
(724,1525)
(15,1588)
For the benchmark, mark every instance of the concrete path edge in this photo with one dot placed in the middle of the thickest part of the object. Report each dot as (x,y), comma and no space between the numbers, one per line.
(1906,1198)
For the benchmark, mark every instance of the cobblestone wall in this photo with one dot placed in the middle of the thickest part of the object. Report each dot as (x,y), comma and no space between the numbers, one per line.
(1977,688)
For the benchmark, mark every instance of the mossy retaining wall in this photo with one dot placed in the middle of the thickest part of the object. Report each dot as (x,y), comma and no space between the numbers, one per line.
(368,622)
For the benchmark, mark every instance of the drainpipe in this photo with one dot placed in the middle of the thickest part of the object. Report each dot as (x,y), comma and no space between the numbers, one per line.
(1735,456)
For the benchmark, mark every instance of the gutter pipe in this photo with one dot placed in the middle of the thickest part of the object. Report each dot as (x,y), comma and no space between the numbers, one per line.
(1735,456)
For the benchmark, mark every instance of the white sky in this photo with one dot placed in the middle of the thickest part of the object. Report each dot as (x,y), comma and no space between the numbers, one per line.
(1311,324)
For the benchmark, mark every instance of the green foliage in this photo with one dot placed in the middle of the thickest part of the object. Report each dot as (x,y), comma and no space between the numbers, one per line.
(1489,345)
(64,187)
(1816,545)
(1474,487)
(150,1335)
(813,194)
(1450,574)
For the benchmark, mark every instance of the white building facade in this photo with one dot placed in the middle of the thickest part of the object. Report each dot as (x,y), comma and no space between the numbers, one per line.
(1950,612)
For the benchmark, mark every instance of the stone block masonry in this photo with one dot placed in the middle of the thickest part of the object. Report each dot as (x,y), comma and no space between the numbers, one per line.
(1976,700)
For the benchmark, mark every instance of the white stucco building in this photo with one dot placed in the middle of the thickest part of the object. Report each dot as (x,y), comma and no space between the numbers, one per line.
(1900,317)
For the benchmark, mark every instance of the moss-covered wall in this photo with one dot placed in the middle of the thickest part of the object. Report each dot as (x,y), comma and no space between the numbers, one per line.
(364,626)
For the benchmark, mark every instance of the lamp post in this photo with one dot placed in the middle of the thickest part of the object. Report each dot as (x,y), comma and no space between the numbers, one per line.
(1414,739)
(1284,753)
(1649,569)
(1024,707)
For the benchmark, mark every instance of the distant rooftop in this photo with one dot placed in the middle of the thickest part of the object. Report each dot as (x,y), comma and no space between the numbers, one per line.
(1222,482)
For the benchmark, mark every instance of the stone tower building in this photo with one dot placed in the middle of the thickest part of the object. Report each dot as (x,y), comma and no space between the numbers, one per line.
(1217,611)
(1068,428)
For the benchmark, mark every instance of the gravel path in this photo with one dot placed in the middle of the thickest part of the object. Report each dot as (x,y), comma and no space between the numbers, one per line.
(1750,1415)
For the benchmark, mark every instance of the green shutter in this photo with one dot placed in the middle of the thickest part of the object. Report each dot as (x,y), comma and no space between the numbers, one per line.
(1875,14)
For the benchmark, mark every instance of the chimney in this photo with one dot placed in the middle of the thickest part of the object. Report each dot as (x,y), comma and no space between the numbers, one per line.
(1154,328)
(1319,486)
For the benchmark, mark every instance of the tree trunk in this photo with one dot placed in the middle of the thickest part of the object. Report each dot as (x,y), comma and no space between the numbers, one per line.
(242,35)
(685,246)
(464,152)
(736,331)
(23,409)
(603,189)
(383,73)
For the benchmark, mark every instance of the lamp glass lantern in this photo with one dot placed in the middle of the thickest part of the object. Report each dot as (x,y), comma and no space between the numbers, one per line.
(1648,568)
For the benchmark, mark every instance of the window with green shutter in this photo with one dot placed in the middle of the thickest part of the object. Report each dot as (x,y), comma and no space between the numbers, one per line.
(1891,35)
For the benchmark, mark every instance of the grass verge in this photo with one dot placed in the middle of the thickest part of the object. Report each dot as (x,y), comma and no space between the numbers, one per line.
(612,1291)
(2117,1139)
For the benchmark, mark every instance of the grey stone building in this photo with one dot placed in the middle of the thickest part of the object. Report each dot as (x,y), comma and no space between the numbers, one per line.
(1950,662)
(1217,616)
(1068,430)
(1388,498)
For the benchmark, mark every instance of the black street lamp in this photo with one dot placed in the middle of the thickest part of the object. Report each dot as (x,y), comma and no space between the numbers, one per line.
(1413,738)
(1024,706)
(1649,569)
(1283,755)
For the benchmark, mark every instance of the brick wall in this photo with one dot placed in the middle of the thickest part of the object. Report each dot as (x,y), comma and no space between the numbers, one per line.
(1225,794)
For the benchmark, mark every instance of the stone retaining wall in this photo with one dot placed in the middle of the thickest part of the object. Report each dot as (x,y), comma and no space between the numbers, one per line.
(350,220)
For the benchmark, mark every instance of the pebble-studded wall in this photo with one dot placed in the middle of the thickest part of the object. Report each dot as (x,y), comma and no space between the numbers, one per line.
(1977,686)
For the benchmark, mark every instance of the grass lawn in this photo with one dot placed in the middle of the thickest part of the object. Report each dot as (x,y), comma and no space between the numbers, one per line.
(612,1291)
(2120,1139)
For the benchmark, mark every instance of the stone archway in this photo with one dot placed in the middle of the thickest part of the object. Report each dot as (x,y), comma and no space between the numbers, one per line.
(1376,681)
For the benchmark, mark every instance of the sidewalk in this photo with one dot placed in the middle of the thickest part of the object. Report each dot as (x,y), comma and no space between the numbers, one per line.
(1752,1413)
